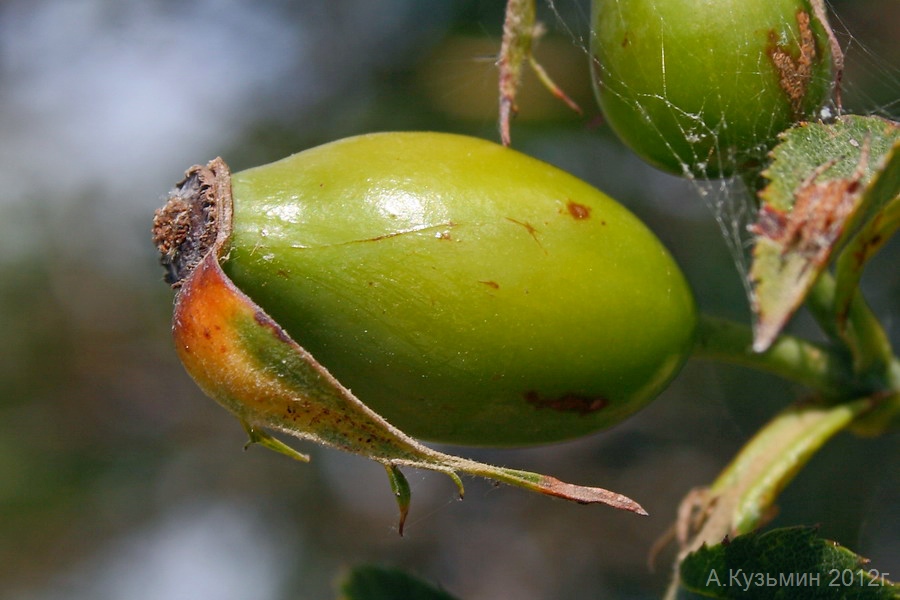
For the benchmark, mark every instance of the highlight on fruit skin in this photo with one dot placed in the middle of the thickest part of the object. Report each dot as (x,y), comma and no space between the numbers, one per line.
(702,89)
(477,266)
(466,292)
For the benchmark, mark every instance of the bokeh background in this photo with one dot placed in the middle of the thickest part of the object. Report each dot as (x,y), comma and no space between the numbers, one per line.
(119,479)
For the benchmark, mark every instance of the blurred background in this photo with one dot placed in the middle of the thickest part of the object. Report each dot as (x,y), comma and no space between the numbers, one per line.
(119,479)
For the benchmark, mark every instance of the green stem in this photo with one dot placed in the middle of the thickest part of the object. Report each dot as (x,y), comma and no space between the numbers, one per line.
(518,33)
(864,245)
(863,334)
(818,367)
(885,416)
(820,302)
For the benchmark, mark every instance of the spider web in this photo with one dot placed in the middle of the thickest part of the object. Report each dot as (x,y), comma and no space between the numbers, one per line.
(730,200)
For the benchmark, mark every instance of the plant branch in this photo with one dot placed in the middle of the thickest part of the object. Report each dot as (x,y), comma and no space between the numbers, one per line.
(865,244)
(863,334)
(816,366)
(520,32)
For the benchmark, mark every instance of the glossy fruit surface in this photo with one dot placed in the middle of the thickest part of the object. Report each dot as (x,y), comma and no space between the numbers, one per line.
(464,291)
(703,87)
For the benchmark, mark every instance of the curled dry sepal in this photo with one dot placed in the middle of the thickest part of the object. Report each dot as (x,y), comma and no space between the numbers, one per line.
(520,31)
(244,360)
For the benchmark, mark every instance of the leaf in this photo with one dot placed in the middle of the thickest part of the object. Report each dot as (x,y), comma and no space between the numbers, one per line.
(743,496)
(784,563)
(824,180)
(382,583)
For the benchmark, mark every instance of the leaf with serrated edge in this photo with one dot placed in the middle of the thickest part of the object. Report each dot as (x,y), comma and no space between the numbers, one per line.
(791,563)
(821,184)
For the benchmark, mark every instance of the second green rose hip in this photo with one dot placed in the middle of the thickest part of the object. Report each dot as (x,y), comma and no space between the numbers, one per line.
(703,88)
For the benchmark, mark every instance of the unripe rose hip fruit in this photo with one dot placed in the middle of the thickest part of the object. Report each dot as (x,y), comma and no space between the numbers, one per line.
(463,291)
(703,87)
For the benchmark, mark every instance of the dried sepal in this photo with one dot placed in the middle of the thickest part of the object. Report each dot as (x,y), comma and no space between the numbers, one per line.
(520,31)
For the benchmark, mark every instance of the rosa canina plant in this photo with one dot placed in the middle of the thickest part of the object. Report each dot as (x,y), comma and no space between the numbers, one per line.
(392,287)
(674,97)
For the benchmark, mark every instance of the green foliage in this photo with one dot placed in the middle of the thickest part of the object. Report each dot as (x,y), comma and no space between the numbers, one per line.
(381,583)
(791,563)
(824,180)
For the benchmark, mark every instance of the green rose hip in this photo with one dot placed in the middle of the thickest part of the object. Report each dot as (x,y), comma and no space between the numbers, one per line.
(465,292)
(703,87)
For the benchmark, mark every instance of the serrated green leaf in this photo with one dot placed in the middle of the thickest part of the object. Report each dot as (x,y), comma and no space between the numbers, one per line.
(783,563)
(383,583)
(824,180)
(806,147)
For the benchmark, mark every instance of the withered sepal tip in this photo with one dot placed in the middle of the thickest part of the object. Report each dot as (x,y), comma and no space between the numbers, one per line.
(196,216)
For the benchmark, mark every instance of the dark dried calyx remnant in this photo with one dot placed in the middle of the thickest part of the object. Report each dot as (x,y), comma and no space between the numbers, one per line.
(576,403)
(195,220)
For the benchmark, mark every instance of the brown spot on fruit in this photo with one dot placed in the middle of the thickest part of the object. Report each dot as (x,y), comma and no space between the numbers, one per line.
(491,284)
(578,211)
(795,72)
(532,231)
(571,402)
